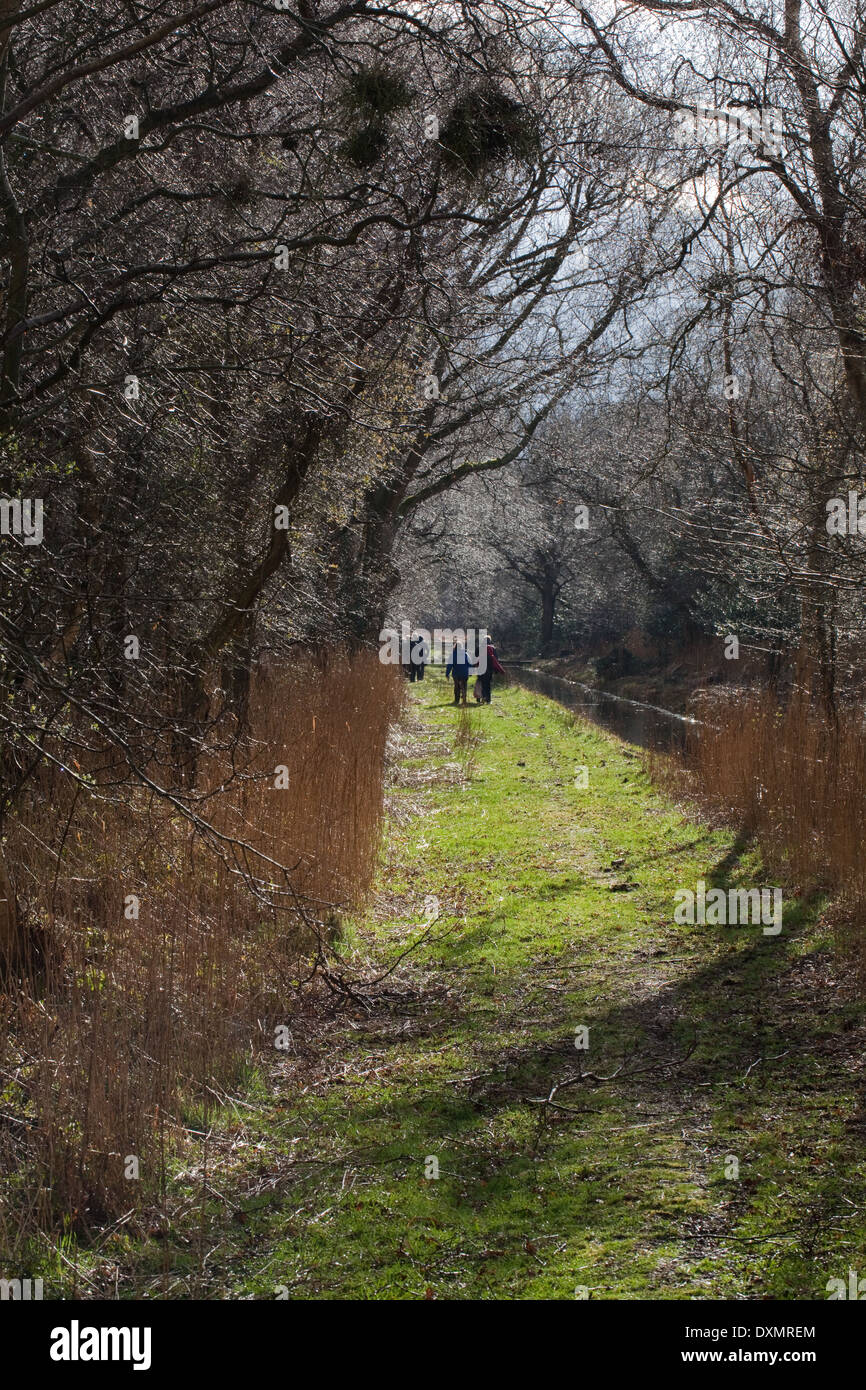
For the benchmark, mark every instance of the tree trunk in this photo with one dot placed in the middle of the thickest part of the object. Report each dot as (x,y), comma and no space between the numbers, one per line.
(549,595)
(237,609)
(10,939)
(816,658)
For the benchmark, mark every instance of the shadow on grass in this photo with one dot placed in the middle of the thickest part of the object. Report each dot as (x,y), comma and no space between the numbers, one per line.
(750,1045)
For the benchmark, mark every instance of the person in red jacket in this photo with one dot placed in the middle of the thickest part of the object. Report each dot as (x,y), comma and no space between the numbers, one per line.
(486,677)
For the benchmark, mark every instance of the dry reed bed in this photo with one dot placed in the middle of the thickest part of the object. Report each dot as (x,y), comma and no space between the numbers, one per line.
(791,779)
(126,1022)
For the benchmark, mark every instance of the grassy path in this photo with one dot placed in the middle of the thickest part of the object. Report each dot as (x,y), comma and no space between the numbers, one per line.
(734,1053)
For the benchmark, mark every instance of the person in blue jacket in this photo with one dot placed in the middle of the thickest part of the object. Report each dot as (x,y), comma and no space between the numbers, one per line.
(458,669)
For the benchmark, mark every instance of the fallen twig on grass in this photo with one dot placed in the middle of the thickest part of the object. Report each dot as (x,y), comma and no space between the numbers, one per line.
(624,1071)
(358,989)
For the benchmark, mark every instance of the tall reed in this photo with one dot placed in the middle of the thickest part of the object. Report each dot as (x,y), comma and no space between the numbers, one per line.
(171,952)
(794,779)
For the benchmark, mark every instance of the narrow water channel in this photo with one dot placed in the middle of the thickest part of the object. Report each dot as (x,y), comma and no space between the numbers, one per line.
(649,726)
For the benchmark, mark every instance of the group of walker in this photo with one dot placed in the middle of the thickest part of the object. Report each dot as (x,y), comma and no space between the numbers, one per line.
(459,669)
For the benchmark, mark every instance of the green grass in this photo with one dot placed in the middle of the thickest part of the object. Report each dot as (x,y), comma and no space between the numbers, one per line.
(730,1046)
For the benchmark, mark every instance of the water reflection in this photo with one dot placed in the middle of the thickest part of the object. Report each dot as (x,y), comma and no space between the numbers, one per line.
(649,726)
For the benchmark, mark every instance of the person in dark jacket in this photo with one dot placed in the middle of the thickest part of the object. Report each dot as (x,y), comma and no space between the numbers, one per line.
(419,656)
(486,677)
(458,670)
